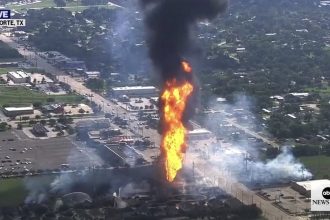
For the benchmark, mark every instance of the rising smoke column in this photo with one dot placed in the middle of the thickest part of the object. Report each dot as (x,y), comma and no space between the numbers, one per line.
(168,23)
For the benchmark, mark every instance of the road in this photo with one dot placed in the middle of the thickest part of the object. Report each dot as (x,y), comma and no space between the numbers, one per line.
(252,133)
(228,184)
(232,122)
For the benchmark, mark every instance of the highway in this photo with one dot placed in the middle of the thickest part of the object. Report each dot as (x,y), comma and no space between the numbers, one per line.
(225,182)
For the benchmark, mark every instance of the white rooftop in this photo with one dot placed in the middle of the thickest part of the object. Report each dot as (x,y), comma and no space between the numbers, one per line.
(92,72)
(305,94)
(199,131)
(18,108)
(133,88)
(221,99)
(307,184)
(19,74)
(277,97)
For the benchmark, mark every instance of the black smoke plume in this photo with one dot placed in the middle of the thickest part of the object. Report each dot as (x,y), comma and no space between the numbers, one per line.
(168,23)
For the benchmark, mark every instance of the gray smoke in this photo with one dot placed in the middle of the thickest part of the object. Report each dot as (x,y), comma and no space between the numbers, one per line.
(37,189)
(281,169)
(126,40)
(134,188)
(239,156)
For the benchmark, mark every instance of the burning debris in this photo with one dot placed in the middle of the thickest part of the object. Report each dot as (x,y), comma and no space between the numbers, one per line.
(168,23)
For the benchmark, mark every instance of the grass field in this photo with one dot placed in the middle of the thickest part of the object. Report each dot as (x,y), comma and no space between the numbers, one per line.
(70,6)
(42,4)
(18,96)
(322,91)
(318,165)
(12,192)
(5,70)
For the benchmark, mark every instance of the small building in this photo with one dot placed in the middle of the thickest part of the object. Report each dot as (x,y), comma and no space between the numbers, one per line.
(19,77)
(15,111)
(240,49)
(92,74)
(300,94)
(56,108)
(277,98)
(115,76)
(266,111)
(8,64)
(84,126)
(304,188)
(221,100)
(134,91)
(39,130)
(71,64)
(199,134)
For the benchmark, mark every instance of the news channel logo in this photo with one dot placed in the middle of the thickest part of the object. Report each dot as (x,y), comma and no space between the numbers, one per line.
(7,21)
(320,196)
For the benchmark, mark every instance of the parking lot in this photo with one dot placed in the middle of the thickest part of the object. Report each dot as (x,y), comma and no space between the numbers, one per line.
(22,155)
(287,199)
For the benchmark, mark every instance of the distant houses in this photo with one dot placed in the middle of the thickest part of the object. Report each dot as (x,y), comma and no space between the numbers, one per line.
(63,62)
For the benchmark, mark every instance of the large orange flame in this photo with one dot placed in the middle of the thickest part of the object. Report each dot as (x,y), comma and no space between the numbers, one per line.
(174,100)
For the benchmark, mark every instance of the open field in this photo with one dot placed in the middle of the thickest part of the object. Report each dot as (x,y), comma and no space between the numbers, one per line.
(6,70)
(42,4)
(318,165)
(21,95)
(322,91)
(74,6)
(12,192)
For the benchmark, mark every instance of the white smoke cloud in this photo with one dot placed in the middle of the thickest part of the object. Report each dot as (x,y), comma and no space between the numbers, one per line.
(280,169)
(134,188)
(240,157)
(37,189)
(126,40)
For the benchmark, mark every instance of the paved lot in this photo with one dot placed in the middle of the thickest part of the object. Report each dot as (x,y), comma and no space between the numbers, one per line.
(17,153)
(287,199)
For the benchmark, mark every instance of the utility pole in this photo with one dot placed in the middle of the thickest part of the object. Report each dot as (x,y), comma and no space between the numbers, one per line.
(194,171)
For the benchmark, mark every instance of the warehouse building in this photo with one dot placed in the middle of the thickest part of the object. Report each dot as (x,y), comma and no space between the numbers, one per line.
(134,91)
(19,77)
(199,134)
(92,74)
(15,111)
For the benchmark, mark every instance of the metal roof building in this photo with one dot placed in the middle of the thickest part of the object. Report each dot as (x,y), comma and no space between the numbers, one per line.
(199,134)
(15,111)
(142,91)
(18,77)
